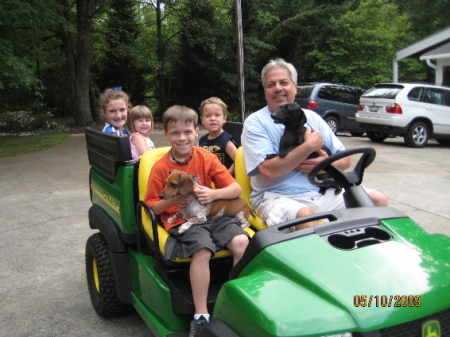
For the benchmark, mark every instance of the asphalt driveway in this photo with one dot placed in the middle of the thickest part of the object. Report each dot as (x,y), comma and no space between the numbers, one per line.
(44,201)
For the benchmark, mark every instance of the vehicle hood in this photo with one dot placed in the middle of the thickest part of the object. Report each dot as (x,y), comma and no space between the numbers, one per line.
(292,288)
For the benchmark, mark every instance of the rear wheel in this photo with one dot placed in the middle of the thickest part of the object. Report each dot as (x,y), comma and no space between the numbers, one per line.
(417,135)
(100,279)
(376,137)
(333,123)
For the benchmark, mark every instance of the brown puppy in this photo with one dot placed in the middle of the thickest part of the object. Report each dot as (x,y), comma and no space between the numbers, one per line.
(182,183)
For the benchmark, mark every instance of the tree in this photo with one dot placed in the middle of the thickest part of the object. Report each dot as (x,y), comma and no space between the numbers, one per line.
(363,43)
(22,31)
(117,64)
(207,63)
(75,33)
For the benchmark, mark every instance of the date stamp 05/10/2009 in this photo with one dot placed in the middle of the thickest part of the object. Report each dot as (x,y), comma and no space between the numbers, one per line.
(387,301)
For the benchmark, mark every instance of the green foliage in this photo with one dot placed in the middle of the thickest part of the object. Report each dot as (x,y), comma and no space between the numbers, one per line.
(426,16)
(24,121)
(363,44)
(117,65)
(207,63)
(19,34)
(166,52)
(13,146)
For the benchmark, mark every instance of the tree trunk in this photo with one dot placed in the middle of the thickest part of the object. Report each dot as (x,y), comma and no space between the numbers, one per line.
(78,60)
(160,77)
(86,10)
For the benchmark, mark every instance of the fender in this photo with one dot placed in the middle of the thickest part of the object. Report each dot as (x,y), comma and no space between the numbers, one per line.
(98,219)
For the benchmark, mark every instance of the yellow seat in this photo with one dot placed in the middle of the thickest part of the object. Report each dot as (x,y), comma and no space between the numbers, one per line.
(244,181)
(148,159)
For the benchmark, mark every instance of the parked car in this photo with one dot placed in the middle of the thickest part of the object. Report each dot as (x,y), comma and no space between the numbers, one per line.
(415,111)
(335,103)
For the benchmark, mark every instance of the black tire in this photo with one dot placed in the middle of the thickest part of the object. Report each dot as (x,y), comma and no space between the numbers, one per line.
(445,142)
(376,137)
(100,279)
(333,123)
(417,135)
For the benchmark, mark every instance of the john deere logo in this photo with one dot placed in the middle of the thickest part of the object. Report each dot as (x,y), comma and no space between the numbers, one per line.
(431,329)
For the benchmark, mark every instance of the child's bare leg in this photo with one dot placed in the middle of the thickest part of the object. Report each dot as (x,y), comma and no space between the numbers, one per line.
(200,277)
(237,246)
(378,198)
(304,212)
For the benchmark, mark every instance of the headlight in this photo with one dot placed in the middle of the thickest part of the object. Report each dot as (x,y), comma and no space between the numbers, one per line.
(347,334)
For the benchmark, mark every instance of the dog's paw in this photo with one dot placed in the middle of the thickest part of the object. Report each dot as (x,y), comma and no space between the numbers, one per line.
(184,227)
(270,156)
(245,224)
(174,217)
(243,220)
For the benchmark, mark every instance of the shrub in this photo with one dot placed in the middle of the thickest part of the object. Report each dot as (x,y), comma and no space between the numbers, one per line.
(24,121)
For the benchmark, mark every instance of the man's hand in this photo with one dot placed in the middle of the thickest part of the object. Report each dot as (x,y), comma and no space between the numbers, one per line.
(314,139)
(308,164)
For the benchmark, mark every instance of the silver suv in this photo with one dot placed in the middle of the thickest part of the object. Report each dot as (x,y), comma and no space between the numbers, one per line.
(335,103)
(415,111)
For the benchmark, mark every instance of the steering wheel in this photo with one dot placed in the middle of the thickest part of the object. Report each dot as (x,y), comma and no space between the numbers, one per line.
(339,178)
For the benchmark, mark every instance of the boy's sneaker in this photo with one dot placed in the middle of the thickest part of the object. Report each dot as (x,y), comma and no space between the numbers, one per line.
(197,326)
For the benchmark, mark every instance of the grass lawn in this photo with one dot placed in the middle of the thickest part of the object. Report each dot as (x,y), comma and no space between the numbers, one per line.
(14,145)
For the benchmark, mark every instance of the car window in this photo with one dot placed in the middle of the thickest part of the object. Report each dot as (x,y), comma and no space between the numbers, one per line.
(383,92)
(340,94)
(434,96)
(447,97)
(415,94)
(304,91)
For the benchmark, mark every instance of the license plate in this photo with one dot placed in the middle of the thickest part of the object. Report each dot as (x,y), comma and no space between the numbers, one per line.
(373,108)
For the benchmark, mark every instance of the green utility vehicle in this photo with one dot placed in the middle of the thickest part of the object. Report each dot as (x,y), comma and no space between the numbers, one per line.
(366,272)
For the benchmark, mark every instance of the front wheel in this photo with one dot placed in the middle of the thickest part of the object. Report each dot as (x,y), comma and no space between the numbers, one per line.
(417,135)
(100,279)
(376,137)
(333,123)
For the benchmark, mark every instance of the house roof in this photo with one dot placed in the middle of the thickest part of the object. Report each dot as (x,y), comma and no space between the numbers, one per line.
(428,45)
(441,52)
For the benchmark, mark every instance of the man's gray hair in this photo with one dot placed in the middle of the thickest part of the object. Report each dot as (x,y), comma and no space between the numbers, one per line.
(279,62)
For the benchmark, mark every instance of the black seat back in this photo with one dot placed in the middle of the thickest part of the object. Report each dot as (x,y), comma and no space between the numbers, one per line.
(234,129)
(107,151)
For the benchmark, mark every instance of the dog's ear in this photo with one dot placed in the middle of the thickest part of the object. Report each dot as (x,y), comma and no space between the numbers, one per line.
(303,117)
(186,184)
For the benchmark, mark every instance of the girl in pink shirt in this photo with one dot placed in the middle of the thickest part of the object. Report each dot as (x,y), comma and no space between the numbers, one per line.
(141,125)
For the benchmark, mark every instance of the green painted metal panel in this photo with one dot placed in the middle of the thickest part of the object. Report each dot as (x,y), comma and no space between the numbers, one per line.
(291,287)
(117,198)
(154,295)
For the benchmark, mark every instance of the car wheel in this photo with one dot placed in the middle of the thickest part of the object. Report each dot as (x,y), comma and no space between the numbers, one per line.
(333,123)
(417,135)
(445,142)
(100,279)
(376,137)
(356,134)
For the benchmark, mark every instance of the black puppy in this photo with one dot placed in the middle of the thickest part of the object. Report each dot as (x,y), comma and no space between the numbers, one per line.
(294,119)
